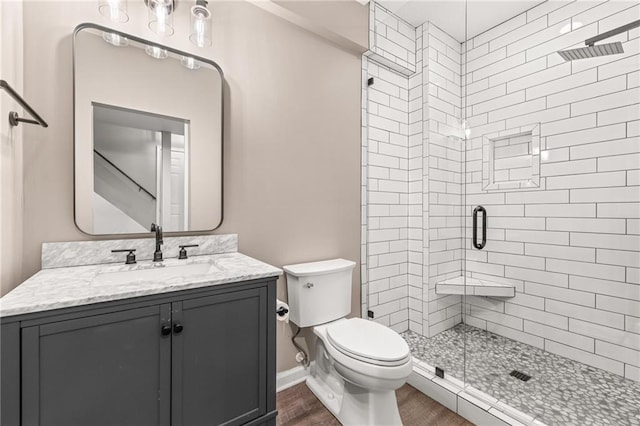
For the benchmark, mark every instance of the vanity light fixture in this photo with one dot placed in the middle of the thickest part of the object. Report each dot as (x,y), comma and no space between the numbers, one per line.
(156,52)
(161,16)
(115,10)
(115,39)
(189,62)
(200,24)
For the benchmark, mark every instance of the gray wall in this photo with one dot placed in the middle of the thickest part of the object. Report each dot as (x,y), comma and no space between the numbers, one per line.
(292,135)
(11,143)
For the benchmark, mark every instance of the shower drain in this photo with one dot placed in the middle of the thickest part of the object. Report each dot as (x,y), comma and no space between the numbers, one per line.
(520,375)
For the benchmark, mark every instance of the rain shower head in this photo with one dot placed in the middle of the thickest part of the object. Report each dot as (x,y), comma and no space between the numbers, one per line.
(593,51)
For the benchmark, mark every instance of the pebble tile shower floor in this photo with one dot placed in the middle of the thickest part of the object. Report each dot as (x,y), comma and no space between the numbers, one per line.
(560,391)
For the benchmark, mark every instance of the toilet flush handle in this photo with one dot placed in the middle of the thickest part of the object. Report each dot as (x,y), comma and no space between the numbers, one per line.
(308,285)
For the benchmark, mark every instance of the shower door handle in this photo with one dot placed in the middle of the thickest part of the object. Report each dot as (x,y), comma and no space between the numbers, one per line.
(475,227)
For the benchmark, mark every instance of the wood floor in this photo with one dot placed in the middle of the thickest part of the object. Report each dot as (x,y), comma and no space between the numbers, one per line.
(298,406)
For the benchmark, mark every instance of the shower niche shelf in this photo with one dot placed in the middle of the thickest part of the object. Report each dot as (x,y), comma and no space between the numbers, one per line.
(511,158)
(475,287)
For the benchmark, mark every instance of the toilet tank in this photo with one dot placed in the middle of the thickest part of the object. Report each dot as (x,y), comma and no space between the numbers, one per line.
(319,292)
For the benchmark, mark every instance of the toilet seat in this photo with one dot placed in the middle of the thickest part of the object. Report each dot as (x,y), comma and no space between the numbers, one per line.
(368,342)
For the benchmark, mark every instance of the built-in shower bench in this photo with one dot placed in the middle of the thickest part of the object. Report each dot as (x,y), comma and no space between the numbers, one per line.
(475,287)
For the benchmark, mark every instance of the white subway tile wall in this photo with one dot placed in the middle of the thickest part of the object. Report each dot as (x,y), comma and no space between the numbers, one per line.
(571,247)
(416,202)
(442,177)
(579,229)
(386,164)
(392,41)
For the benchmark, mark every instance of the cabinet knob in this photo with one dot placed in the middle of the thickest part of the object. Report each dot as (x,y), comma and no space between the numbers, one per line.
(177,328)
(165,330)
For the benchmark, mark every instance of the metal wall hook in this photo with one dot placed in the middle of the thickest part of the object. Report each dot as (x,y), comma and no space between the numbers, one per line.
(14,118)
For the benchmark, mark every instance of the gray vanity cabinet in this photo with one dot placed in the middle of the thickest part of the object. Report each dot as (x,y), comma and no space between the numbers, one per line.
(111,369)
(219,356)
(194,357)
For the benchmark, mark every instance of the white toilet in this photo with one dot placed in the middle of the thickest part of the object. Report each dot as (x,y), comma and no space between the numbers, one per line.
(359,363)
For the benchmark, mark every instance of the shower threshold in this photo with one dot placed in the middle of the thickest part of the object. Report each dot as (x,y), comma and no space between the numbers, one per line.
(475,406)
(560,390)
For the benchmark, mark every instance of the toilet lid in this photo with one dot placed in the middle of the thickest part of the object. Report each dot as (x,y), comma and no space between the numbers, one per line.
(368,339)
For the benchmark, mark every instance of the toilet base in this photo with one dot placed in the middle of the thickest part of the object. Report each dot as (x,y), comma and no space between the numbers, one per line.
(352,405)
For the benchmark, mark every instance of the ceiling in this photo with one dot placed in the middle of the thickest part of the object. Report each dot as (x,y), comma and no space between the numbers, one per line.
(449,15)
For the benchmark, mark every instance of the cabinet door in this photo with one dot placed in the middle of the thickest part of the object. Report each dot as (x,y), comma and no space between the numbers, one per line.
(109,369)
(219,359)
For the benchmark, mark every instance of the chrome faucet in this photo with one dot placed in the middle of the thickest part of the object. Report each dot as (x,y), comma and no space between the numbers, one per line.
(157,255)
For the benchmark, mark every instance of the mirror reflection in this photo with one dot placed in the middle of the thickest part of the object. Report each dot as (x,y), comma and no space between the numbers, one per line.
(148,121)
(138,170)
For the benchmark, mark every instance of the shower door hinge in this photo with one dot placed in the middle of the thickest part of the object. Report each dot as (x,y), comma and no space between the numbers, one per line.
(370,81)
(370,313)
(440,372)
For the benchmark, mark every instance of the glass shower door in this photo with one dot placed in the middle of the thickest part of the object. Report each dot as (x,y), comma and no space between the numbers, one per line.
(551,154)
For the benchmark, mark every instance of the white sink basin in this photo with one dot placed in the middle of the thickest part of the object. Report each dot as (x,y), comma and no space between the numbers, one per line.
(156,273)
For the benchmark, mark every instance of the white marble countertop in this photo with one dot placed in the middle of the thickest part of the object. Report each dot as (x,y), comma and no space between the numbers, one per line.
(82,285)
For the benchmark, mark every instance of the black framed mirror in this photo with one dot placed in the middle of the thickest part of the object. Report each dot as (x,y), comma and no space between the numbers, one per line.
(147,135)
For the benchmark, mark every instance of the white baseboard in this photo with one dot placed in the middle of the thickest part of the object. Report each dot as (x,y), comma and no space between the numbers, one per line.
(288,378)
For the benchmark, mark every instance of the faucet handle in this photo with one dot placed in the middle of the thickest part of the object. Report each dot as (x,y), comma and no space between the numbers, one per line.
(182,254)
(131,257)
